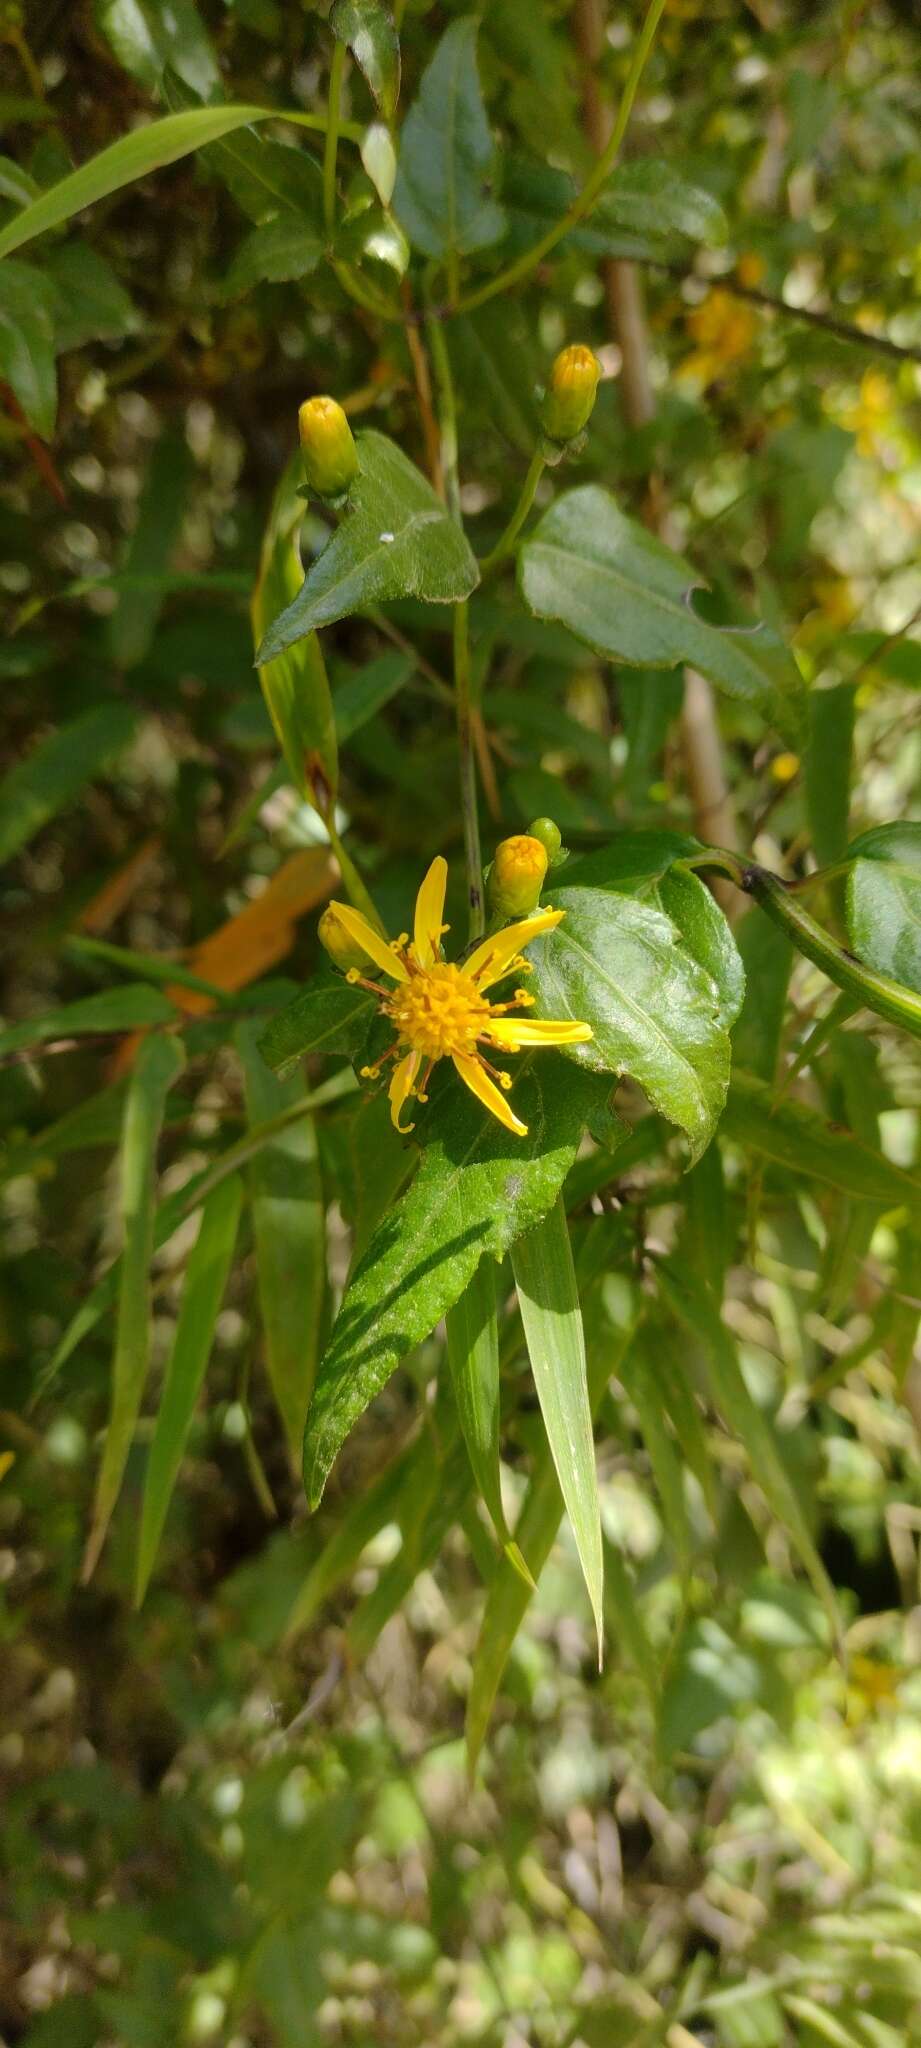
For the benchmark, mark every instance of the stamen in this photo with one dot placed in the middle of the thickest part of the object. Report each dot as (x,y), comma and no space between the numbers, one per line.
(359,980)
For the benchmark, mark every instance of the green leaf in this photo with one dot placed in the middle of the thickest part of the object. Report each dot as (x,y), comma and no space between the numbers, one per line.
(447,166)
(884,901)
(290,1230)
(27,305)
(366,26)
(640,1375)
(792,1135)
(379,158)
(385,1500)
(295,684)
(328,1015)
(274,253)
(363,694)
(549,1302)
(133,623)
(147,35)
(616,587)
(395,540)
(369,1164)
(644,209)
(696,1309)
(472,1330)
(649,198)
(707,934)
(90,304)
(829,765)
(618,964)
(53,774)
(710,1676)
(631,862)
(767,958)
(202,1294)
(130,1008)
(159,1062)
(478,1187)
(133,156)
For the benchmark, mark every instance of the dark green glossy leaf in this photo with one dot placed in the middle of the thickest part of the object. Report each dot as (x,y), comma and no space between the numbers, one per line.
(147,35)
(707,935)
(329,1015)
(630,862)
(27,346)
(615,586)
(369,31)
(53,774)
(884,901)
(643,209)
(618,964)
(395,540)
(477,1189)
(443,195)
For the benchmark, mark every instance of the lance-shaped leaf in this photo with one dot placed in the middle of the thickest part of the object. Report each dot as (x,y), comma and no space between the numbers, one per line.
(369,31)
(798,1138)
(478,1187)
(619,965)
(443,194)
(295,685)
(289,1226)
(884,901)
(27,307)
(159,1063)
(129,1008)
(548,1298)
(472,1328)
(616,587)
(52,775)
(395,540)
(202,1294)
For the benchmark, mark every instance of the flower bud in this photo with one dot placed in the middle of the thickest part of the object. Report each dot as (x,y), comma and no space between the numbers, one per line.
(570,394)
(330,454)
(338,943)
(548,833)
(516,877)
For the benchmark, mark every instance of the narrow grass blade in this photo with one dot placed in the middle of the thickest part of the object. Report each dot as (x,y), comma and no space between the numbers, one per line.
(473,1357)
(289,1225)
(202,1294)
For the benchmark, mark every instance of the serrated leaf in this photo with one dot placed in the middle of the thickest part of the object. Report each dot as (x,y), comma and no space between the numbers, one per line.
(289,1226)
(478,1187)
(366,26)
(329,1015)
(395,540)
(618,964)
(148,35)
(202,1294)
(443,195)
(295,684)
(274,253)
(27,351)
(548,1298)
(884,901)
(621,590)
(159,1063)
(53,774)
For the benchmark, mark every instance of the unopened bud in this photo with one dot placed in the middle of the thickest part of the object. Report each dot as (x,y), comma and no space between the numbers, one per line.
(338,942)
(570,394)
(330,454)
(548,833)
(517,875)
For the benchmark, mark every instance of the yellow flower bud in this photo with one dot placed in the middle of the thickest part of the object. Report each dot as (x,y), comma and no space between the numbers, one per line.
(330,454)
(517,875)
(338,943)
(570,394)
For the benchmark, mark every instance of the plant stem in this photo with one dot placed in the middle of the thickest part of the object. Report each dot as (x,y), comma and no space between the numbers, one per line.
(331,145)
(507,541)
(354,886)
(447,419)
(584,200)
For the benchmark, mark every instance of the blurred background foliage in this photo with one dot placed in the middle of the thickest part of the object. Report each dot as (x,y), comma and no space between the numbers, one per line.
(239,1812)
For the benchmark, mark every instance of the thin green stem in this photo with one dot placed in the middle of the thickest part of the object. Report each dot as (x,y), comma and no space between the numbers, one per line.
(331,145)
(506,543)
(469,811)
(356,289)
(246,1148)
(354,886)
(584,200)
(447,417)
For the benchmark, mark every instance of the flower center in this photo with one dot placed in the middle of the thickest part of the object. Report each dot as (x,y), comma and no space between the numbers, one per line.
(438,1011)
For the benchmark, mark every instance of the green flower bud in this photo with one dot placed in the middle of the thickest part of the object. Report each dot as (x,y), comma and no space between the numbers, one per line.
(548,833)
(330,454)
(516,877)
(338,943)
(570,394)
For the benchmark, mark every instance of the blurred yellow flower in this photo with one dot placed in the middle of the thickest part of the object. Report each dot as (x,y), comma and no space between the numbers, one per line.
(723,328)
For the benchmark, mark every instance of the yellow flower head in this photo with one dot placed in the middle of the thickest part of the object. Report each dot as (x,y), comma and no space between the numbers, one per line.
(440,1010)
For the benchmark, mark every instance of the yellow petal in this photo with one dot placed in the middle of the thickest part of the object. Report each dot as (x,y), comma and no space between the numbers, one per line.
(479,1083)
(512,1032)
(401,1087)
(430,910)
(490,960)
(370,941)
